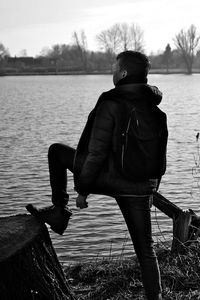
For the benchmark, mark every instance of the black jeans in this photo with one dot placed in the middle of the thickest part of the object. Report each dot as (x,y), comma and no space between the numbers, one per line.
(136,212)
(60,158)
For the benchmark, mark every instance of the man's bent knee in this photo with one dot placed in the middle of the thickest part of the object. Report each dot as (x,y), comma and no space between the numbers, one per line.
(53,150)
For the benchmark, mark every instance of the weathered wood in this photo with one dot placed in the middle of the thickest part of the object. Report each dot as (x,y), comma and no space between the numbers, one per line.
(167,207)
(181,226)
(29,267)
(186,224)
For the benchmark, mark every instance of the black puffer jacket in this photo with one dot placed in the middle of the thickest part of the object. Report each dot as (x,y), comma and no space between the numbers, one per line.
(95,169)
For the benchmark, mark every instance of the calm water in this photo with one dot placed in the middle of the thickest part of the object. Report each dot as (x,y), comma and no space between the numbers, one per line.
(37,111)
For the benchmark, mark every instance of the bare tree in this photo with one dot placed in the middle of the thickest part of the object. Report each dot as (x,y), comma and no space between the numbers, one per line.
(45,51)
(121,37)
(54,54)
(124,36)
(80,41)
(136,38)
(4,52)
(131,37)
(110,41)
(186,43)
(167,55)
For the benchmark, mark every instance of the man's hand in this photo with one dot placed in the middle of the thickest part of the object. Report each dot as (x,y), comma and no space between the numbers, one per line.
(81,201)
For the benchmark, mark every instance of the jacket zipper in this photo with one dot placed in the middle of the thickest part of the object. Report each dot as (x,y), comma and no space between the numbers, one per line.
(123,148)
(124,137)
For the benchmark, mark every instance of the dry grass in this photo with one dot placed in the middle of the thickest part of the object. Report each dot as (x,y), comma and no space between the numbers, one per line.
(119,279)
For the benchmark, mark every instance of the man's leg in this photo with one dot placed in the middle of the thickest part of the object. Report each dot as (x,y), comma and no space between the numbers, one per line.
(136,212)
(60,158)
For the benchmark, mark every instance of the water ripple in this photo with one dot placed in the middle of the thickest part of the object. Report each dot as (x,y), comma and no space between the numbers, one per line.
(37,111)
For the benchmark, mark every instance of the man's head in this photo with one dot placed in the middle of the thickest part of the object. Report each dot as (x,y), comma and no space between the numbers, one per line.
(131,63)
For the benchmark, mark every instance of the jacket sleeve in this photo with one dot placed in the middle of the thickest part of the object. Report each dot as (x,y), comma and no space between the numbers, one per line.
(99,147)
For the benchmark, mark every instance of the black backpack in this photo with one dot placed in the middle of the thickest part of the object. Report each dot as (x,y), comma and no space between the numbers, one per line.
(142,142)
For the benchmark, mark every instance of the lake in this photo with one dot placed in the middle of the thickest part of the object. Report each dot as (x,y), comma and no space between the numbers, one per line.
(37,111)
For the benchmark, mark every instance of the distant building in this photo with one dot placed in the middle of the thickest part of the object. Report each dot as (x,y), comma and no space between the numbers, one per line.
(26,60)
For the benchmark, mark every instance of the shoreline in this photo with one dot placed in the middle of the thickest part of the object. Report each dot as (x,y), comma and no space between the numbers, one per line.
(54,73)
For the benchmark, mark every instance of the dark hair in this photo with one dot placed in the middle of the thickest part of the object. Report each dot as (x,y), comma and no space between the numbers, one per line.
(134,62)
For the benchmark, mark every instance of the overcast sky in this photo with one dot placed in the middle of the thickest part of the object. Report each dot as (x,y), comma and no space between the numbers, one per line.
(34,24)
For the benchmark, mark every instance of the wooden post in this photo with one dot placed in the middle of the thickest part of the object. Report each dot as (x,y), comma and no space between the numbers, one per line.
(181,227)
(186,224)
(29,267)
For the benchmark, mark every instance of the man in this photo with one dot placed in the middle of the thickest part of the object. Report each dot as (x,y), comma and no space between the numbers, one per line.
(95,162)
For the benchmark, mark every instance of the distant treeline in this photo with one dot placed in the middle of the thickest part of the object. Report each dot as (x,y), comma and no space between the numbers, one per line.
(70,62)
(77,59)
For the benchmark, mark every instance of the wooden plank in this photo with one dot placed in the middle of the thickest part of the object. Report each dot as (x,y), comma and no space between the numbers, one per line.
(167,207)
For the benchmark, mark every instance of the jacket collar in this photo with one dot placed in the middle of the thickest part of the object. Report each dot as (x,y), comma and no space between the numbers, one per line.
(131,79)
(140,91)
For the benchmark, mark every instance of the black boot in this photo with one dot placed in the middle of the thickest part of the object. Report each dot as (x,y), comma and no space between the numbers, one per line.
(56,216)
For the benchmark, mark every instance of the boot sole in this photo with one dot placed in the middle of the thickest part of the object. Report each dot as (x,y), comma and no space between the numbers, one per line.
(35,212)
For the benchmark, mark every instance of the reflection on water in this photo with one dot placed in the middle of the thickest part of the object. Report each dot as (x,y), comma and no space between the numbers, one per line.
(37,111)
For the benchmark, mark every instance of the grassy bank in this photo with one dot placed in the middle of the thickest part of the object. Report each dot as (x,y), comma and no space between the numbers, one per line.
(119,279)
